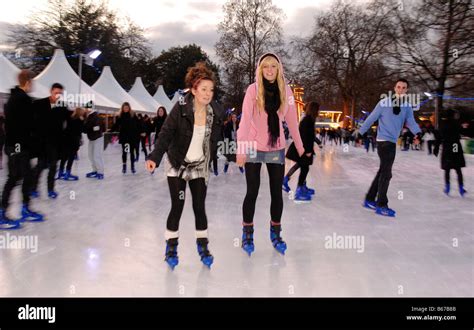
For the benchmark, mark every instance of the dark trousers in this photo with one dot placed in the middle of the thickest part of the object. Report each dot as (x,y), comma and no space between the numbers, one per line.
(47,160)
(430,147)
(252,176)
(148,139)
(303,173)
(18,168)
(143,143)
(458,172)
(368,142)
(214,164)
(378,190)
(2,144)
(132,149)
(177,188)
(68,153)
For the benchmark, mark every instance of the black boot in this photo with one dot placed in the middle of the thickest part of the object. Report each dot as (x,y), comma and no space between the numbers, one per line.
(247,240)
(206,257)
(171,254)
(276,239)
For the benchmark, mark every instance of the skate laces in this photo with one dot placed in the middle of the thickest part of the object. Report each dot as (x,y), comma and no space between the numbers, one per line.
(172,248)
(276,238)
(203,250)
(248,234)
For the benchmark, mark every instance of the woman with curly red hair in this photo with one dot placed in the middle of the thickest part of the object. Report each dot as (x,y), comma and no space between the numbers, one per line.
(189,136)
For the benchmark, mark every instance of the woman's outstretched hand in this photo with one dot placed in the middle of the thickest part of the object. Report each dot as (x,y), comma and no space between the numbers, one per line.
(150,165)
(241,159)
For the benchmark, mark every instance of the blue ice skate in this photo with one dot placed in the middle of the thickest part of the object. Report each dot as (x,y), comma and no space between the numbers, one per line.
(247,240)
(171,254)
(277,241)
(206,257)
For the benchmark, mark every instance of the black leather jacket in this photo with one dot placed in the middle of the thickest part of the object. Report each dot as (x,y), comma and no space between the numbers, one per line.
(177,131)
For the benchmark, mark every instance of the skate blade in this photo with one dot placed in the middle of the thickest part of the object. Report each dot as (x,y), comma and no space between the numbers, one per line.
(301,202)
(386,215)
(249,252)
(32,220)
(10,226)
(282,252)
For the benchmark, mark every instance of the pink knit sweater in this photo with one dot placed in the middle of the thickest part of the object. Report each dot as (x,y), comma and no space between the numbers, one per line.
(253,129)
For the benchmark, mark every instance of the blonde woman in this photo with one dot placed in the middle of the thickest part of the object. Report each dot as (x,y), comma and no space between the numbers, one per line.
(261,140)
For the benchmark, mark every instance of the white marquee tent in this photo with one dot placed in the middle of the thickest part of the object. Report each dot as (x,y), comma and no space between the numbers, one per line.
(59,70)
(9,79)
(175,98)
(108,86)
(161,97)
(139,92)
(8,76)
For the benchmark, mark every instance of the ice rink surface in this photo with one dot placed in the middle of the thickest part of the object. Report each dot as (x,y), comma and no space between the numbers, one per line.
(106,238)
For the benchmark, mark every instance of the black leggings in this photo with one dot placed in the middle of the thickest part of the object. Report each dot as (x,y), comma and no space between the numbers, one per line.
(177,192)
(252,176)
(132,149)
(303,173)
(459,173)
(143,143)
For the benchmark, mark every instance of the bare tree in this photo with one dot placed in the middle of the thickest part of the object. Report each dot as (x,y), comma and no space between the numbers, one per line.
(346,51)
(434,42)
(78,27)
(249,29)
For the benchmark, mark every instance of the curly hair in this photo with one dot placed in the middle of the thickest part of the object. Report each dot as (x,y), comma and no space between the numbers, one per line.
(198,73)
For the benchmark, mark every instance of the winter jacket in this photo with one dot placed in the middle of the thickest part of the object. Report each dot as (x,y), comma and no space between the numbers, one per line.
(177,131)
(19,120)
(50,124)
(73,132)
(308,137)
(229,128)
(452,155)
(158,123)
(128,128)
(94,126)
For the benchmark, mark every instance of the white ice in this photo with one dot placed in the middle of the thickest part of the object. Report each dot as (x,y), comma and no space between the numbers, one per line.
(109,239)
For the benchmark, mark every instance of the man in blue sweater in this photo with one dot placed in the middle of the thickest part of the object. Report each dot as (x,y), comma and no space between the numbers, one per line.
(392,114)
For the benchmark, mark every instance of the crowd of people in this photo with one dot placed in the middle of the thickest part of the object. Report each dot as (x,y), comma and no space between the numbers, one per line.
(192,134)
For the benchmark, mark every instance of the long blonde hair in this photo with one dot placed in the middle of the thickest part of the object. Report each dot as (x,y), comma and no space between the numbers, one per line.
(261,89)
(78,113)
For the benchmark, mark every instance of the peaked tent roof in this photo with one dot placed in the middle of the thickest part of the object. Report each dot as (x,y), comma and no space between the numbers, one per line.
(9,77)
(161,97)
(175,98)
(108,86)
(140,93)
(9,74)
(59,70)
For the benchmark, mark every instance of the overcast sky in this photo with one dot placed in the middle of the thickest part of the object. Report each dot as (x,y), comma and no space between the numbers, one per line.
(172,23)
